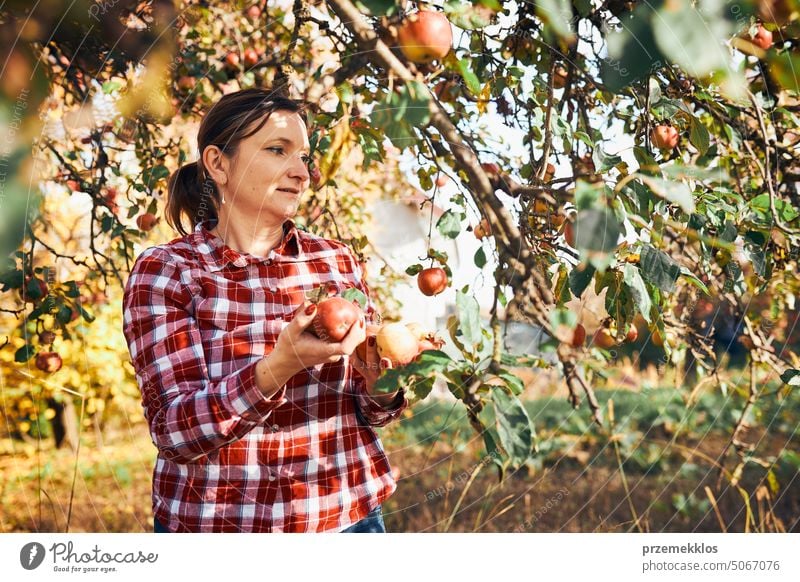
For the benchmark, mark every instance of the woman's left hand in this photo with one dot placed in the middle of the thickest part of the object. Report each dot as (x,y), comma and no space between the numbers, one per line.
(372,369)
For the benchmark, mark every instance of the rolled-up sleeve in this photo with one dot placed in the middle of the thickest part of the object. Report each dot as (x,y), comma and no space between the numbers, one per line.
(189,416)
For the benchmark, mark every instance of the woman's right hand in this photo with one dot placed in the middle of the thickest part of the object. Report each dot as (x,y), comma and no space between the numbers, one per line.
(298,349)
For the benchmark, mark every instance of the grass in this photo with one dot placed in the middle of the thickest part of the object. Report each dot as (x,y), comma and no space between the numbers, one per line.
(573,483)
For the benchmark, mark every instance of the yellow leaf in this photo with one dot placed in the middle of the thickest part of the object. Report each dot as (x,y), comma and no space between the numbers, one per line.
(483,98)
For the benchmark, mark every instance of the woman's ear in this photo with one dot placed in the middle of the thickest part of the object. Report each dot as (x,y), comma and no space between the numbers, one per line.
(216,164)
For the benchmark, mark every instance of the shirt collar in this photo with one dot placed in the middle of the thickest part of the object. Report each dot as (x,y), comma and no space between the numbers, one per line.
(217,255)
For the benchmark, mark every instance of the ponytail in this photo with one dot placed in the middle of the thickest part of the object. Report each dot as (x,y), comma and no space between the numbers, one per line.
(190,196)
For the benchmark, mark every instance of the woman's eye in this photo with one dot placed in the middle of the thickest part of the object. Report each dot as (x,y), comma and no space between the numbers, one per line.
(278,150)
(307,159)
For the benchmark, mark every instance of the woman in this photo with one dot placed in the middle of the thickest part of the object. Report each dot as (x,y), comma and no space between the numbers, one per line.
(259,425)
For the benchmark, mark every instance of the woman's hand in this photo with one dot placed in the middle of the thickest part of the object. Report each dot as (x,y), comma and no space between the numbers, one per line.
(298,349)
(372,369)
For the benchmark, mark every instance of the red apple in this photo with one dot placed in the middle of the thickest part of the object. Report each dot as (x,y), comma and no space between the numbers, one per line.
(560,77)
(762,38)
(482,230)
(254,12)
(665,137)
(48,362)
(232,61)
(603,339)
(578,336)
(335,316)
(425,36)
(186,83)
(432,281)
(47,337)
(550,172)
(491,168)
(146,221)
(33,289)
(251,58)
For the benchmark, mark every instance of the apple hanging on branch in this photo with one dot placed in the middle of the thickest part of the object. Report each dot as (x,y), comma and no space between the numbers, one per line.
(432,280)
(425,36)
(665,137)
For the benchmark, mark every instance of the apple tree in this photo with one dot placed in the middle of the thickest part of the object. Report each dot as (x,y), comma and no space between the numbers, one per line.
(655,162)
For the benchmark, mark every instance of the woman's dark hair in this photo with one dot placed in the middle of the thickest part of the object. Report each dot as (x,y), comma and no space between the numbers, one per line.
(191,190)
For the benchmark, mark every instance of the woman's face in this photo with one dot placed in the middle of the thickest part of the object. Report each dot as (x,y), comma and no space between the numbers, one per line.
(269,172)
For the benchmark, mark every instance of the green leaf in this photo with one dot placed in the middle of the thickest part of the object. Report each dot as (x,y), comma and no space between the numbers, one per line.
(586,195)
(353,294)
(784,67)
(469,318)
(557,16)
(692,278)
(470,78)
(417,377)
(690,38)
(64,315)
(760,204)
(791,377)
(638,290)
(514,384)
(72,289)
(632,52)
(480,258)
(675,192)
(603,162)
(580,277)
(449,224)
(414,270)
(596,229)
(514,427)
(12,280)
(379,7)
(658,268)
(24,353)
(698,136)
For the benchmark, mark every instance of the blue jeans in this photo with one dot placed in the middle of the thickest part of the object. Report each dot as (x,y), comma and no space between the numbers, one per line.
(372,523)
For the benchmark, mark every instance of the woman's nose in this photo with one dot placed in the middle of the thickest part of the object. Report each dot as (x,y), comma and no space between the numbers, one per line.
(300,170)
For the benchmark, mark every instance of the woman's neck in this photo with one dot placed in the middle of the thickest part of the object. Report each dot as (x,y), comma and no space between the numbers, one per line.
(248,235)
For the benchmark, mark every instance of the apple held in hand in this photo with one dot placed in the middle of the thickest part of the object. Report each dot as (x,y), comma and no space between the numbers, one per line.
(432,281)
(425,36)
(335,316)
(396,342)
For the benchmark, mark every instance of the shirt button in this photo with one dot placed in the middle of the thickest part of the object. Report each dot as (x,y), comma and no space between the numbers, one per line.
(275,428)
(272,476)
(240,262)
(273,289)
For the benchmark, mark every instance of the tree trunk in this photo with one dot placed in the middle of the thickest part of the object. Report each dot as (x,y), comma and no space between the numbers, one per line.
(64,423)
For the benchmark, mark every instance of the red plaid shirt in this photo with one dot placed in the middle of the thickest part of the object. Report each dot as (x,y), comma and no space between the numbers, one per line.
(198,316)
